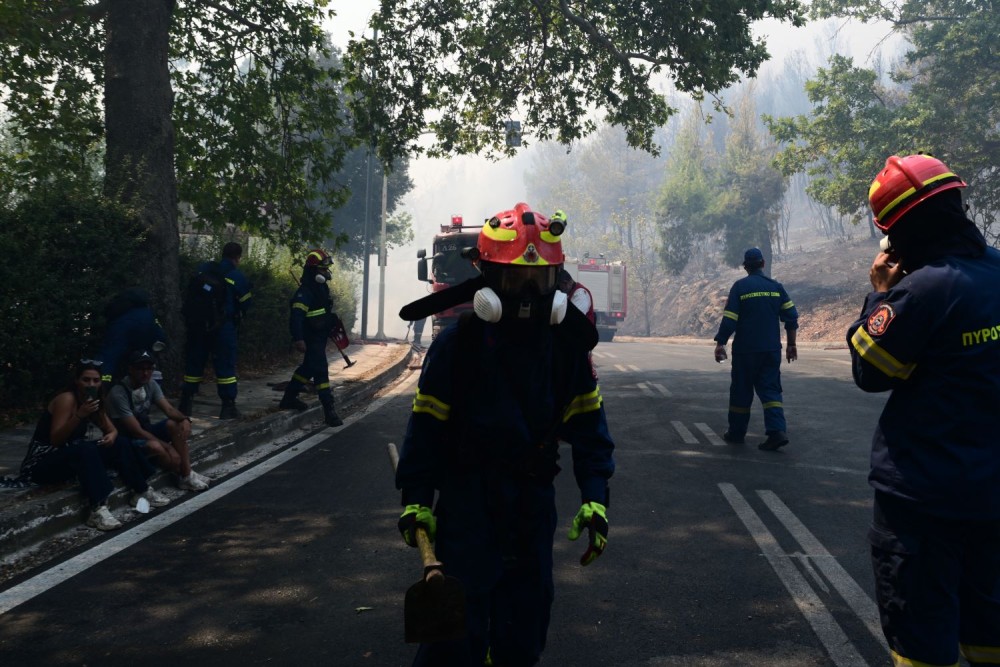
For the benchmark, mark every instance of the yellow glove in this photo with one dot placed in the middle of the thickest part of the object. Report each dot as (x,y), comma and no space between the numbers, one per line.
(593,516)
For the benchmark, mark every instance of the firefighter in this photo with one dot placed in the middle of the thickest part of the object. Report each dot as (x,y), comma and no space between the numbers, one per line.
(929,332)
(578,294)
(311,322)
(220,342)
(755,306)
(131,325)
(498,390)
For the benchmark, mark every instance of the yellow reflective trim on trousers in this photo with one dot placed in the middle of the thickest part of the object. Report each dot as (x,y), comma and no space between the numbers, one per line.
(231,380)
(772,404)
(875,355)
(583,403)
(323,385)
(303,380)
(246,296)
(192,379)
(432,406)
(786,305)
(900,661)
(739,410)
(980,654)
(301,306)
(231,282)
(730,314)
(316,313)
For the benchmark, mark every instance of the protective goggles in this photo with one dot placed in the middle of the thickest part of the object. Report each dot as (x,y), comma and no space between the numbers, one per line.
(513,280)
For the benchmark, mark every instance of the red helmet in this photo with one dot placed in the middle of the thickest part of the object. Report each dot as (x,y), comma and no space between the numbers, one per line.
(528,248)
(318,257)
(904,183)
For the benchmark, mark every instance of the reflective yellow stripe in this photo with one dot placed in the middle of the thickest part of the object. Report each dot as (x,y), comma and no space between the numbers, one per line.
(301,306)
(231,380)
(539,262)
(875,355)
(739,410)
(548,237)
(980,655)
(909,193)
(315,313)
(296,376)
(323,385)
(772,404)
(105,378)
(786,305)
(432,406)
(900,661)
(246,296)
(192,379)
(584,403)
(500,233)
(231,282)
(730,314)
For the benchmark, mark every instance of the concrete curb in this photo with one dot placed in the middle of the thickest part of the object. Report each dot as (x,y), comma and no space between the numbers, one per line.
(39,515)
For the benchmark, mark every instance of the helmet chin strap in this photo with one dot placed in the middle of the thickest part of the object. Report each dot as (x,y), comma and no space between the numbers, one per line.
(488,306)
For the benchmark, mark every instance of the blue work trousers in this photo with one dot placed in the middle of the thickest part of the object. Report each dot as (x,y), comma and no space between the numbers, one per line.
(90,462)
(496,538)
(760,372)
(937,583)
(221,346)
(315,367)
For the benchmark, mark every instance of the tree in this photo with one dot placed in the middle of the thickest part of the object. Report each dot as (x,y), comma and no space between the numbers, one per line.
(943,98)
(636,244)
(463,67)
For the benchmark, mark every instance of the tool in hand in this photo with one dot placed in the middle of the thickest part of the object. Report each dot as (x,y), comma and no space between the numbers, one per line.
(339,336)
(434,607)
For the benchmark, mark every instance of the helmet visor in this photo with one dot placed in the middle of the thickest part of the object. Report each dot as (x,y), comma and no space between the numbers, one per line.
(512,280)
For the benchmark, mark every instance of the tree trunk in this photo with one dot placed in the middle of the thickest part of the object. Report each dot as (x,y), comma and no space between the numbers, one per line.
(139,159)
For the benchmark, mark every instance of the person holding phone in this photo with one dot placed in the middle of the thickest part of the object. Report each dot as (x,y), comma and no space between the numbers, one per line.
(75,437)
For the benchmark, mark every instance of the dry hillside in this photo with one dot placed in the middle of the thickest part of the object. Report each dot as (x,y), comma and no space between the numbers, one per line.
(827,280)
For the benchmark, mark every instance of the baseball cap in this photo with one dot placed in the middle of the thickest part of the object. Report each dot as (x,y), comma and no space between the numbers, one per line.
(753,256)
(140,357)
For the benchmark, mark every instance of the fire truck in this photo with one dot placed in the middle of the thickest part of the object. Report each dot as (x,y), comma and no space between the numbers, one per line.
(449,265)
(607,283)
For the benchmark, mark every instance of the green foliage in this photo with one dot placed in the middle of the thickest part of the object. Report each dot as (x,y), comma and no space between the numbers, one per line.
(478,64)
(65,253)
(944,98)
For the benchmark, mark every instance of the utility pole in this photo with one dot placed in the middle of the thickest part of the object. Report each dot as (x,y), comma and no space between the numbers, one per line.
(382,256)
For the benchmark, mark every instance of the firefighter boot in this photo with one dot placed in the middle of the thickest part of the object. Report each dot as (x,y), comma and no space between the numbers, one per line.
(229,410)
(291,401)
(331,417)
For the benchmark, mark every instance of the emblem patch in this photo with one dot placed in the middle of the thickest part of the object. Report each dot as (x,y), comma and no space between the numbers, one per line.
(531,254)
(879,321)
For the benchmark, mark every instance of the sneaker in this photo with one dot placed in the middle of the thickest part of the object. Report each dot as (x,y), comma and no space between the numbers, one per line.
(774,442)
(202,478)
(733,439)
(152,496)
(192,483)
(292,403)
(101,518)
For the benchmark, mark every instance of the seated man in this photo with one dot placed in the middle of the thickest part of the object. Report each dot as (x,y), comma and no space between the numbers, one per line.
(166,441)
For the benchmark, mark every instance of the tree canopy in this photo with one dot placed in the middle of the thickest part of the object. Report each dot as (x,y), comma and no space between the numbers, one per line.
(462,68)
(942,97)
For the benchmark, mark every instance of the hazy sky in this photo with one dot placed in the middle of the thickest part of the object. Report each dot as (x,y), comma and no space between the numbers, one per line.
(477,188)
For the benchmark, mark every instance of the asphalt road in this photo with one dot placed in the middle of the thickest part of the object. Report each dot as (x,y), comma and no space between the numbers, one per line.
(718,555)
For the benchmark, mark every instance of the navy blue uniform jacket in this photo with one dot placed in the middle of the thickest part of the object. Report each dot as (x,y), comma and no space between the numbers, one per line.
(754,308)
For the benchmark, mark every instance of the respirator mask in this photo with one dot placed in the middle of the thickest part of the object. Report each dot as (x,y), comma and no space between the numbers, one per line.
(520,294)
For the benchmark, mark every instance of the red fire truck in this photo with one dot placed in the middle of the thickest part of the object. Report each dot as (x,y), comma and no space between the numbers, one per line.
(607,283)
(450,265)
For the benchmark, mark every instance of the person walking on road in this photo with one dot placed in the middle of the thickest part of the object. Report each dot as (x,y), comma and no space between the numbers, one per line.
(212,323)
(928,332)
(498,390)
(311,321)
(754,310)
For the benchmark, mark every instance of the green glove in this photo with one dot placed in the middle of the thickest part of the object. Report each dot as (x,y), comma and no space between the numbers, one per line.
(593,517)
(415,516)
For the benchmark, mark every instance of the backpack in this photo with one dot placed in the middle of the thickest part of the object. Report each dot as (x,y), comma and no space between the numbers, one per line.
(204,307)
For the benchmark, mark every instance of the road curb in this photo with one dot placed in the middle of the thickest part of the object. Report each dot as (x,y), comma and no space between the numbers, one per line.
(39,515)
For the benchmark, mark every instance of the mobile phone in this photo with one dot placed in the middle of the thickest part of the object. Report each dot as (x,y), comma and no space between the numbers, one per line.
(91,393)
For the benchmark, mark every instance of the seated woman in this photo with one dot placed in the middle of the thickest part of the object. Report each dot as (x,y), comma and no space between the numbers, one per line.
(60,449)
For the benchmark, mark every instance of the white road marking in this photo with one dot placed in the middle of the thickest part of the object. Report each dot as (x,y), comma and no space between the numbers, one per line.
(634,368)
(838,646)
(56,575)
(710,434)
(620,367)
(663,389)
(686,435)
(853,595)
(644,388)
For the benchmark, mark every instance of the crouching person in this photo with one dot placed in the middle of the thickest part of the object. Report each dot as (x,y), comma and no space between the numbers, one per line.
(62,449)
(166,441)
